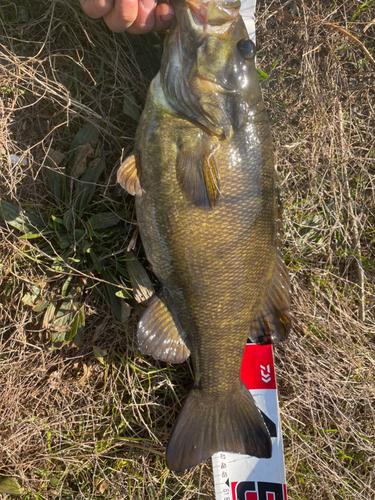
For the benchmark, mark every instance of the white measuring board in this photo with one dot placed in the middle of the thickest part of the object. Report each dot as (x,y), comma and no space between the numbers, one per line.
(241,477)
(247,12)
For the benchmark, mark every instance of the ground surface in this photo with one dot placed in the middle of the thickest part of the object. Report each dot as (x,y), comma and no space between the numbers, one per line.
(91,420)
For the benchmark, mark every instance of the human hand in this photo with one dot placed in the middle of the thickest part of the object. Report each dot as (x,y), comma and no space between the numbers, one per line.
(135,16)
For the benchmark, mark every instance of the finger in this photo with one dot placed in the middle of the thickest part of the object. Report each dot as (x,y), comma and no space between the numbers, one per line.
(122,15)
(164,16)
(145,19)
(96,8)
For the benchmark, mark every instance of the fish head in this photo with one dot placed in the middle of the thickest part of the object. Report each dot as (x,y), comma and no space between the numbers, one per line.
(208,68)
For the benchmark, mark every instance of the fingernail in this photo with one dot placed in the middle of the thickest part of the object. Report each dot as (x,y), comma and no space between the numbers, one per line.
(166,18)
(148,5)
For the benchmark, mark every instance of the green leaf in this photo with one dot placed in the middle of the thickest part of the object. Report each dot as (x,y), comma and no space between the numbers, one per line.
(82,146)
(9,486)
(31,236)
(99,353)
(78,337)
(68,320)
(77,324)
(54,481)
(113,300)
(262,76)
(68,219)
(55,175)
(130,106)
(123,294)
(88,134)
(44,303)
(49,315)
(96,261)
(141,283)
(23,221)
(30,298)
(65,240)
(27,299)
(72,259)
(57,219)
(64,313)
(79,234)
(66,285)
(105,220)
(86,186)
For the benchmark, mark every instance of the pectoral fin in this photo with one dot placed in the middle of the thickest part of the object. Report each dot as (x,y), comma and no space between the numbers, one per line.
(274,321)
(197,171)
(129,173)
(160,334)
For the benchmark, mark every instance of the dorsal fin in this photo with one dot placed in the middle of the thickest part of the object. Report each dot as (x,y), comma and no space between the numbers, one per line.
(274,321)
(129,174)
(197,171)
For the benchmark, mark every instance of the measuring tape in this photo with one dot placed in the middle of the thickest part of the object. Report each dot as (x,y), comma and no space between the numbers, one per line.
(247,13)
(241,477)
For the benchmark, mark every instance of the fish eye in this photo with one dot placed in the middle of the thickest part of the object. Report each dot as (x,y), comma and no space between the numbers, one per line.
(246,48)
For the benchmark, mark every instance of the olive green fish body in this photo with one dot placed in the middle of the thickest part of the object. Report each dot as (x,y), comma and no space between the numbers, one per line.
(208,210)
(215,265)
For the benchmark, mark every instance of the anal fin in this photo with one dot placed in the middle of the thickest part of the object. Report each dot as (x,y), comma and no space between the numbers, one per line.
(160,334)
(274,321)
(129,174)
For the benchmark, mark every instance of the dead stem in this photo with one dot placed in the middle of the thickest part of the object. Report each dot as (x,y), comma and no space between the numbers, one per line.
(329,25)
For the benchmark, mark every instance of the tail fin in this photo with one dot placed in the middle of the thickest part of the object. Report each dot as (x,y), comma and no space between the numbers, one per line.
(211,423)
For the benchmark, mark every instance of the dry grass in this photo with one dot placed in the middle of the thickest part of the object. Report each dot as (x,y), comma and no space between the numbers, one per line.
(74,425)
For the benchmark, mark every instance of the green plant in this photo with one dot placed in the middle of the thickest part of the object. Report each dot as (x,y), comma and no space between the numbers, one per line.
(77,242)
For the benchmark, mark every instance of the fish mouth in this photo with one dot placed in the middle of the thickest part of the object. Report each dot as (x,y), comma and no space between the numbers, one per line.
(212,85)
(214,16)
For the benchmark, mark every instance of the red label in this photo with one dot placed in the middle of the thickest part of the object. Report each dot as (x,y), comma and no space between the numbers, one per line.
(270,496)
(284,490)
(234,484)
(257,370)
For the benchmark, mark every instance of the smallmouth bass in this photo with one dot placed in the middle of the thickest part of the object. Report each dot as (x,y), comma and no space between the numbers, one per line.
(209,209)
